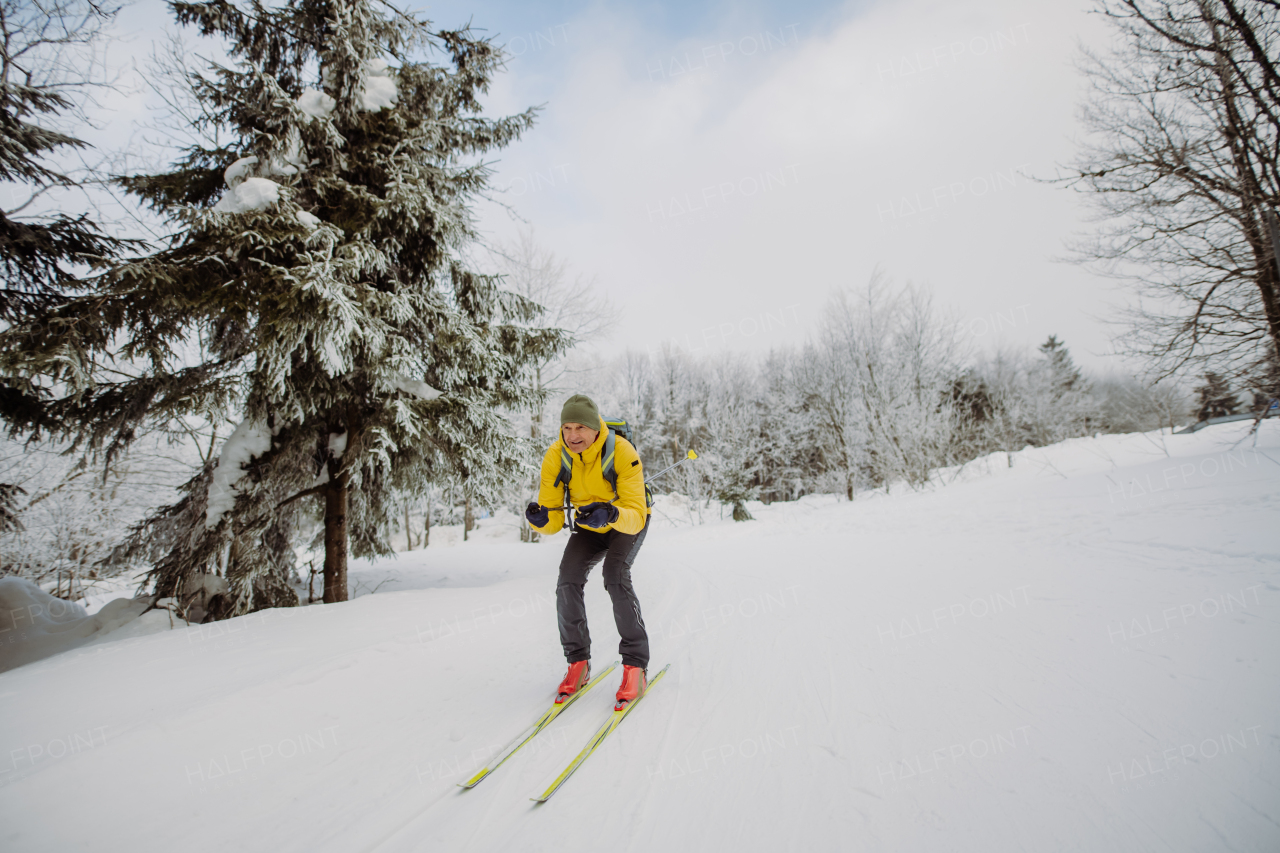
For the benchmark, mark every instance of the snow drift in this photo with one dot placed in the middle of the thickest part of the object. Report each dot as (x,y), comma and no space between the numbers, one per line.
(35,625)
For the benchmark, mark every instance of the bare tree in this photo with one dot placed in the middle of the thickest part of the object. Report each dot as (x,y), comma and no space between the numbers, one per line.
(1004,374)
(828,393)
(1181,166)
(73,514)
(1127,404)
(631,383)
(895,359)
(577,306)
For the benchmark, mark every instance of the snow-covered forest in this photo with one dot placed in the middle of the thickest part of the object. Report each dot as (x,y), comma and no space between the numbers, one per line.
(889,389)
(139,395)
(282,351)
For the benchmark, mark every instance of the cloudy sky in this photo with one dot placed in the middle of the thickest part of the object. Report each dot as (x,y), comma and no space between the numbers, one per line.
(719,168)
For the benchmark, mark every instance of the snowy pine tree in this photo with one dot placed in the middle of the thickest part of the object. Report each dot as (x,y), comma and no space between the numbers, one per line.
(789,451)
(9,507)
(1266,385)
(731,441)
(317,263)
(1215,399)
(1062,374)
(1056,403)
(42,79)
(47,68)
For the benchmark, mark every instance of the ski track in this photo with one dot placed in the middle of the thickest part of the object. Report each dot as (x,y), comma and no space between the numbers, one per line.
(836,670)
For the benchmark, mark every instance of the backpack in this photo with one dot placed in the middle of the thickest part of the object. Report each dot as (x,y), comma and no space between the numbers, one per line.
(615,427)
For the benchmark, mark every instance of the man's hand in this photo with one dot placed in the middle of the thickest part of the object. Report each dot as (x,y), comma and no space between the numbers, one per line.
(537,515)
(599,514)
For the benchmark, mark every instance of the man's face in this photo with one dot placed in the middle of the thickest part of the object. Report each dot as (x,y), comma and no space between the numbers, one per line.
(578,437)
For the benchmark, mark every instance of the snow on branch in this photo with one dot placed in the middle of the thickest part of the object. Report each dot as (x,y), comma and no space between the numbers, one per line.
(416,387)
(248,193)
(379,87)
(379,92)
(248,440)
(315,103)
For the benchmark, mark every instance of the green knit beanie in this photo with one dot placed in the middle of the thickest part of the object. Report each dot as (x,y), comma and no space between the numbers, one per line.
(579,409)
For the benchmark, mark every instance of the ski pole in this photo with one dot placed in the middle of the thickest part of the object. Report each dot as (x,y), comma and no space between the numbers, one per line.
(569,508)
(690,455)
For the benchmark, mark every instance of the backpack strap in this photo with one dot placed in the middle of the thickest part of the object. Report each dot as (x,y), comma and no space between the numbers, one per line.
(607,467)
(566,467)
(566,471)
(606,463)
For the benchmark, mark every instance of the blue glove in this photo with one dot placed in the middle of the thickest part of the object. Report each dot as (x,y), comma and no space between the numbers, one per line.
(537,515)
(598,514)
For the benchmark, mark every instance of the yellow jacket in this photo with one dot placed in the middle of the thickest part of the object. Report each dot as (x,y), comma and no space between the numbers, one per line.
(588,485)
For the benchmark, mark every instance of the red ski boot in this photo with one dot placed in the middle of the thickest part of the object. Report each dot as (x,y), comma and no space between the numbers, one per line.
(578,675)
(634,684)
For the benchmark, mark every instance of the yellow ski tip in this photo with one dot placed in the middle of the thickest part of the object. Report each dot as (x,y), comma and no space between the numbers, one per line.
(474,780)
(692,455)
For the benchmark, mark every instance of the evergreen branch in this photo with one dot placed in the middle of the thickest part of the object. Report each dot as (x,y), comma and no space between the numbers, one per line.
(314,490)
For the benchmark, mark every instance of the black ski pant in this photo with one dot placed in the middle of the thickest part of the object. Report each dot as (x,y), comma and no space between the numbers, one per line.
(585,549)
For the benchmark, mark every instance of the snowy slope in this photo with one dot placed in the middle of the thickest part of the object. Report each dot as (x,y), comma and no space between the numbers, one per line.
(1081,652)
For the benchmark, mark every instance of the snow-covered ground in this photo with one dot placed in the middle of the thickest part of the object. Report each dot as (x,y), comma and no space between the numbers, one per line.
(1081,652)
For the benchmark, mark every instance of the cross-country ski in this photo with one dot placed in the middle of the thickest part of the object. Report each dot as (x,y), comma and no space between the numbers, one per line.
(615,719)
(528,734)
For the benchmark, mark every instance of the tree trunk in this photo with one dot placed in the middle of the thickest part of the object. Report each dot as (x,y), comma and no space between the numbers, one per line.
(1273,242)
(426,527)
(535,432)
(336,497)
(408,531)
(467,520)
(1253,211)
(527,533)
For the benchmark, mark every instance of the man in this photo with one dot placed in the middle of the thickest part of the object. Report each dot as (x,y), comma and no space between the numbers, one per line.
(609,525)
